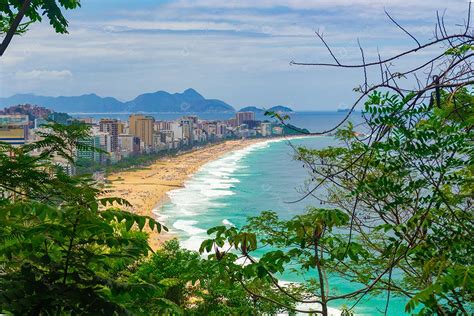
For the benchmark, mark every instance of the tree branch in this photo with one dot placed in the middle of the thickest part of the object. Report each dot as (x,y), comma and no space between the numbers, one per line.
(14,27)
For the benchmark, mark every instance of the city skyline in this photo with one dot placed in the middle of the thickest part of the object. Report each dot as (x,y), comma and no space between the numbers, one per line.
(237,51)
(137,134)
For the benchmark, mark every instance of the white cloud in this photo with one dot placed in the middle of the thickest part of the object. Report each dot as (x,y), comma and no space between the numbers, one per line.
(43,74)
(211,45)
(355,5)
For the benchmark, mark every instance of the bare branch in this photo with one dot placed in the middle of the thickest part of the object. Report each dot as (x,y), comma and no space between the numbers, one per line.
(407,52)
(404,30)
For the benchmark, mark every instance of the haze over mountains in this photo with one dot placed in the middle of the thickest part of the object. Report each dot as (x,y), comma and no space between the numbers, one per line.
(161,101)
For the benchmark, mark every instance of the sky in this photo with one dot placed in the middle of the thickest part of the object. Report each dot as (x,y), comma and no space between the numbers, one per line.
(238,51)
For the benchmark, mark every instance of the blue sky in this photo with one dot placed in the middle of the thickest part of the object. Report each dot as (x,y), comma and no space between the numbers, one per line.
(238,51)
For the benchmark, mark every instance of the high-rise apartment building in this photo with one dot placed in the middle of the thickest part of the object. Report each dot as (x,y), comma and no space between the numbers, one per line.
(14,129)
(110,126)
(129,144)
(105,141)
(221,130)
(265,129)
(121,127)
(89,153)
(242,117)
(166,136)
(142,127)
(162,125)
(187,131)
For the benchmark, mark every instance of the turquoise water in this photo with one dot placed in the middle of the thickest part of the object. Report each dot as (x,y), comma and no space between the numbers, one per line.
(243,183)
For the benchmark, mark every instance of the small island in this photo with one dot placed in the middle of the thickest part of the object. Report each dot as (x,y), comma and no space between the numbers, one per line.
(277,108)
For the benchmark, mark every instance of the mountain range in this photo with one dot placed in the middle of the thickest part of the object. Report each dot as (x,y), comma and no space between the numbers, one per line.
(161,101)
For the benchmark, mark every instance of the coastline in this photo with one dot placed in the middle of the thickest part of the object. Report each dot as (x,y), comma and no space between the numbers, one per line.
(146,188)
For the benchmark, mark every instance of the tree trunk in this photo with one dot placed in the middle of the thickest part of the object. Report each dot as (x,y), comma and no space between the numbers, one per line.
(320,274)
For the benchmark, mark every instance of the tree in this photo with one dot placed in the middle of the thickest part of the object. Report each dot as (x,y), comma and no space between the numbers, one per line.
(12,13)
(399,188)
(307,243)
(185,283)
(65,250)
(61,245)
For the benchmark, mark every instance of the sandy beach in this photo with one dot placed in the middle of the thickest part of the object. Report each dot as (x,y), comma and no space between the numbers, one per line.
(146,188)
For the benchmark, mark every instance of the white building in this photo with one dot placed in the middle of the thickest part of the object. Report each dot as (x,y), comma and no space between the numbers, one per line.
(128,144)
(266,129)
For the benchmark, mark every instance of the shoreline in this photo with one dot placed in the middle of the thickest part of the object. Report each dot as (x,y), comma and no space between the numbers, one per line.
(154,188)
(146,188)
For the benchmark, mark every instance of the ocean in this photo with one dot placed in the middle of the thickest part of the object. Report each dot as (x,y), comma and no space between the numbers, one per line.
(243,183)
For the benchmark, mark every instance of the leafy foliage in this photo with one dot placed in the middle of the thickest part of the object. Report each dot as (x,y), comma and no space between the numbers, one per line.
(400,220)
(184,283)
(35,13)
(305,244)
(408,189)
(65,250)
(61,244)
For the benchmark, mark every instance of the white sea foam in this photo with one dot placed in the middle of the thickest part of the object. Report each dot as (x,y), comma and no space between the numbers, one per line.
(188,227)
(226,222)
(159,216)
(201,194)
(193,243)
(309,306)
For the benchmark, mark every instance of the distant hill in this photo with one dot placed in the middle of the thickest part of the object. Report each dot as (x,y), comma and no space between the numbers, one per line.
(35,112)
(277,108)
(289,129)
(188,101)
(252,109)
(83,103)
(280,108)
(32,111)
